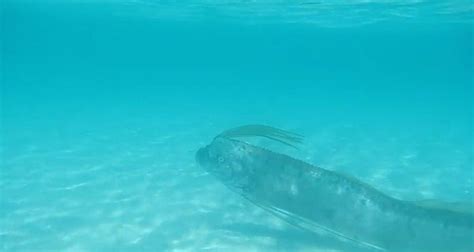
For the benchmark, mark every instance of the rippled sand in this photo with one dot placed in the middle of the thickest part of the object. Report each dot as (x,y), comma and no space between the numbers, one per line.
(139,189)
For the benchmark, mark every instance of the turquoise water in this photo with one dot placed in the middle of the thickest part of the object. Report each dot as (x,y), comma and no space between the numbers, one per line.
(104,104)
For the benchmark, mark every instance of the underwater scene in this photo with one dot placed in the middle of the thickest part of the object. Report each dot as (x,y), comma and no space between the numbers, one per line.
(263,125)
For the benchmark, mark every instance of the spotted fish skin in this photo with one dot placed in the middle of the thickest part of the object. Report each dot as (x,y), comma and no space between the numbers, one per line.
(334,201)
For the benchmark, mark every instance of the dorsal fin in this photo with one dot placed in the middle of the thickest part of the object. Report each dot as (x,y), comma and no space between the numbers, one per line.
(279,135)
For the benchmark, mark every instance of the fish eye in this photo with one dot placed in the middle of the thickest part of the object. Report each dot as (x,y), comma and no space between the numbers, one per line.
(220,159)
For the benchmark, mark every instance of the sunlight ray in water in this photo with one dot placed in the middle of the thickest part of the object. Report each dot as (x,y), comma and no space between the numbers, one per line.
(105,103)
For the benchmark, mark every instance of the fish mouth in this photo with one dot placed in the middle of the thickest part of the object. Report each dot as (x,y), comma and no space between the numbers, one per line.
(201,156)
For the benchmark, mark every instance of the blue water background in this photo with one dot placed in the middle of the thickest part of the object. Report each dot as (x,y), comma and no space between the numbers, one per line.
(103,105)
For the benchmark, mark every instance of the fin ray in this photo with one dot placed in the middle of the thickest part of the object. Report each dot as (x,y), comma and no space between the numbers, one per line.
(310,226)
(275,134)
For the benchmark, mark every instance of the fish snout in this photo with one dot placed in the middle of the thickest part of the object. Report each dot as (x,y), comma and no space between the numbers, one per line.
(202,155)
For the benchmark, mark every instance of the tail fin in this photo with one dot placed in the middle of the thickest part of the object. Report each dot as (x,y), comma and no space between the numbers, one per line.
(279,135)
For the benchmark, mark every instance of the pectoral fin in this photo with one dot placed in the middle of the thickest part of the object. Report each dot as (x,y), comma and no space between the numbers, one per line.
(311,226)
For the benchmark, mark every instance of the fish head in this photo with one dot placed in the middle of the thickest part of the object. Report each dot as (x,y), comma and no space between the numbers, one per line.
(228,160)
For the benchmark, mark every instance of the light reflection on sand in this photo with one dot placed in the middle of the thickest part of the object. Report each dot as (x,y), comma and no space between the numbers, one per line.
(143,191)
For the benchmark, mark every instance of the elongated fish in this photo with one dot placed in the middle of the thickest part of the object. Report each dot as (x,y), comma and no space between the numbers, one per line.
(328,202)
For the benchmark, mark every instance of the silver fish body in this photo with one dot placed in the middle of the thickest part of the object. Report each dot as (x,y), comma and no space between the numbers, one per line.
(346,207)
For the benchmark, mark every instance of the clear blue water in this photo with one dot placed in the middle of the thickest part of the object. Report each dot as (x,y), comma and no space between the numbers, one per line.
(104,103)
